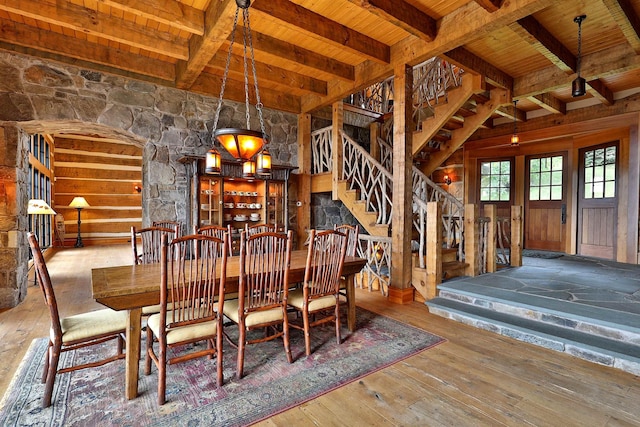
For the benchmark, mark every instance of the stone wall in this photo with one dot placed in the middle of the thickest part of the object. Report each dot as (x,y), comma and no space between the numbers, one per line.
(45,97)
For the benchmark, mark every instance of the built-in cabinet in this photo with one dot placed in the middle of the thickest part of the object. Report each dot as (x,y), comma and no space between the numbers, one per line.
(231,199)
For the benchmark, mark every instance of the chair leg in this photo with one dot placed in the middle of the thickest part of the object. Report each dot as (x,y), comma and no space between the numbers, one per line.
(337,315)
(47,355)
(241,345)
(147,359)
(285,337)
(307,338)
(162,376)
(219,354)
(54,357)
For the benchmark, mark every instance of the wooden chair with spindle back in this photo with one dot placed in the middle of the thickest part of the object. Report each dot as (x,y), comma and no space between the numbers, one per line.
(259,228)
(265,260)
(191,282)
(73,332)
(215,231)
(319,298)
(352,232)
(174,225)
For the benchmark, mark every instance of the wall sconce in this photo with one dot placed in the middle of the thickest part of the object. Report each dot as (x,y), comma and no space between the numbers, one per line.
(137,188)
(447,180)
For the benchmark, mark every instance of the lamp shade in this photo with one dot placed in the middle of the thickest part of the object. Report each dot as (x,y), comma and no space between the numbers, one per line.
(39,207)
(240,143)
(79,203)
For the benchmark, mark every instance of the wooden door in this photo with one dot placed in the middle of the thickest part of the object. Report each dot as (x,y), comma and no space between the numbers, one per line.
(598,201)
(545,202)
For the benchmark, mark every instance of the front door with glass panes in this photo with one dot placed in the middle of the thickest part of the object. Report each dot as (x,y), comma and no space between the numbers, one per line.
(496,188)
(598,201)
(545,202)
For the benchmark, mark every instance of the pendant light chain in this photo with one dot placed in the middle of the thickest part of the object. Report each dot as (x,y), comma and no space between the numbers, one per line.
(245,15)
(579,20)
(224,76)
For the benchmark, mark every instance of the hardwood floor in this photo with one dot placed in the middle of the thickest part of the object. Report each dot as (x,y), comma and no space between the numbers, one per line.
(475,378)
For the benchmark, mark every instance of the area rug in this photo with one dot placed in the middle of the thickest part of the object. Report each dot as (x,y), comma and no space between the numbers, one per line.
(270,385)
(531,253)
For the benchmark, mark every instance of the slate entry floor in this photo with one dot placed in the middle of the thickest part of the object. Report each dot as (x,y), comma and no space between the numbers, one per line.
(577,279)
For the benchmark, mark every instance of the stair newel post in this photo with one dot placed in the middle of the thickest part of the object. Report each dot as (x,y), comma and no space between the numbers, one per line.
(490,212)
(517,235)
(337,118)
(374,134)
(434,246)
(472,240)
(400,290)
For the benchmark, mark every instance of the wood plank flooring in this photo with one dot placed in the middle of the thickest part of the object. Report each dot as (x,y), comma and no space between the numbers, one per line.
(475,378)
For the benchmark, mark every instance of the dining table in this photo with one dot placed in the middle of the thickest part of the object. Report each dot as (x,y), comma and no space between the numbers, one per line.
(131,287)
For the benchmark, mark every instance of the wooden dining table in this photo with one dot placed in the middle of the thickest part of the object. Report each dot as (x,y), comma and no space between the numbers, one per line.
(131,287)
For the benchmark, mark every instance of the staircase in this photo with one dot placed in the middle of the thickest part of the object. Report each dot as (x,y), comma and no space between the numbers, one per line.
(600,335)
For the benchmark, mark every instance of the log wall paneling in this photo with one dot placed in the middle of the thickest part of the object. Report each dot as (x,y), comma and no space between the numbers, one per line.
(106,173)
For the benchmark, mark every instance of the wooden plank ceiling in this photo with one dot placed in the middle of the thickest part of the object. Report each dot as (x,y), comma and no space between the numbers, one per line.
(310,53)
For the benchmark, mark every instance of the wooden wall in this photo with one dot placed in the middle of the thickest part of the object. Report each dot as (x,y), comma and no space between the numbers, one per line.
(106,173)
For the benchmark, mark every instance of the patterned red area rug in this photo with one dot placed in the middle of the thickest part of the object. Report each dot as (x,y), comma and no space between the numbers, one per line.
(271,385)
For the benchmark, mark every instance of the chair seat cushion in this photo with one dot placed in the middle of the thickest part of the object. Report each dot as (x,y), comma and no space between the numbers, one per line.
(254,318)
(93,323)
(185,333)
(296,299)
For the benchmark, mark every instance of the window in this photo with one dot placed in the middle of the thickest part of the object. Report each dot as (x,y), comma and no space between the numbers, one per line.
(40,174)
(600,173)
(545,178)
(495,181)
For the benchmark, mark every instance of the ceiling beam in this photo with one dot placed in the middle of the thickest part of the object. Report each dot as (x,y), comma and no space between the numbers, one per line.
(95,23)
(530,30)
(601,64)
(266,72)
(549,103)
(599,90)
(403,15)
(627,19)
(468,61)
(464,25)
(209,84)
(219,23)
(71,50)
(490,5)
(301,56)
(297,17)
(169,12)
(504,111)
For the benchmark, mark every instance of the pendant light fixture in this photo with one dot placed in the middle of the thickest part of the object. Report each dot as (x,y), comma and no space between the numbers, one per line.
(579,85)
(243,144)
(515,139)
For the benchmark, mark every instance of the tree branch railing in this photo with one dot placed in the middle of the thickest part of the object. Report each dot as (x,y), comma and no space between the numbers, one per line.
(503,240)
(366,175)
(377,251)
(321,151)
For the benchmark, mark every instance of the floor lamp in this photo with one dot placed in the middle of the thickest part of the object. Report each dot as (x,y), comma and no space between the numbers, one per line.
(79,203)
(38,207)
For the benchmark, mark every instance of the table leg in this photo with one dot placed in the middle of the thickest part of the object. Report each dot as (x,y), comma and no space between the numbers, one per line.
(351,303)
(132,359)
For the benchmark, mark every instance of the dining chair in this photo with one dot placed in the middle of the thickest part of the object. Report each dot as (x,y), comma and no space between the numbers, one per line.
(190,283)
(262,295)
(319,298)
(174,225)
(352,232)
(216,231)
(151,240)
(73,332)
(259,228)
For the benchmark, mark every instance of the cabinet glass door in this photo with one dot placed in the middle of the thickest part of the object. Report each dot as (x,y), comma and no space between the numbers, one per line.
(210,201)
(276,204)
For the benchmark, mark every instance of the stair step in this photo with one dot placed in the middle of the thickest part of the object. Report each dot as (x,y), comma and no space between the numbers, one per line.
(595,320)
(453,269)
(605,351)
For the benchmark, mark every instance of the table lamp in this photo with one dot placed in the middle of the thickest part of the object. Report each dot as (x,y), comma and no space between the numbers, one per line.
(79,203)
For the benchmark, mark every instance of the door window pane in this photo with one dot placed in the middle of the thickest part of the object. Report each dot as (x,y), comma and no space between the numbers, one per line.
(495,181)
(600,173)
(545,178)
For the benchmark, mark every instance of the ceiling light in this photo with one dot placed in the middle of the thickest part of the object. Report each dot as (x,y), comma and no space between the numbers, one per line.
(579,85)
(243,144)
